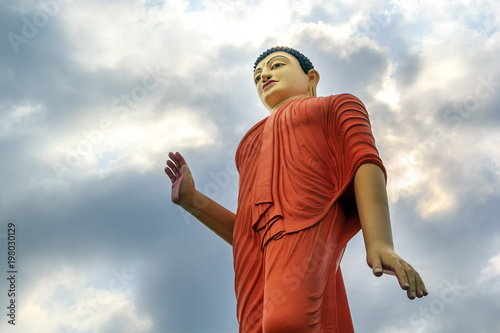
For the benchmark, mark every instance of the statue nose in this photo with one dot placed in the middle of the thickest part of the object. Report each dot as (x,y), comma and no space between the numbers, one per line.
(266,77)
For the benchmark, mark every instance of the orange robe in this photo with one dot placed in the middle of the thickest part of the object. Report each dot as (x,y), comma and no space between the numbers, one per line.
(296,213)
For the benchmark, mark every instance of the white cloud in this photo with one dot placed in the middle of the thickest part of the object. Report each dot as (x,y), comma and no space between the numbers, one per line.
(436,198)
(72,300)
(488,280)
(389,94)
(21,119)
(129,143)
(166,34)
(433,140)
(443,167)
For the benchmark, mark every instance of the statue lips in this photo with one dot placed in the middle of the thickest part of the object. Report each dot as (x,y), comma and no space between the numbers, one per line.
(268,83)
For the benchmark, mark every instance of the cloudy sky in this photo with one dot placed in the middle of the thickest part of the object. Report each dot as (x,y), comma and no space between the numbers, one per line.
(94,94)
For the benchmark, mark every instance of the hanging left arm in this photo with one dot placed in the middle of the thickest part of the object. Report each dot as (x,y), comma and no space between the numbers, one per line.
(373,208)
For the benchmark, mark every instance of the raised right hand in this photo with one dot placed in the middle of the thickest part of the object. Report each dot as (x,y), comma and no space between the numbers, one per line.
(183,188)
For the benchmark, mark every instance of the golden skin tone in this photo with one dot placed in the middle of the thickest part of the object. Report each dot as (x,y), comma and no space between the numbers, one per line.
(285,78)
(278,79)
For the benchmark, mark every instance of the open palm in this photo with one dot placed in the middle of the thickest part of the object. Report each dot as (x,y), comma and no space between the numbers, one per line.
(180,175)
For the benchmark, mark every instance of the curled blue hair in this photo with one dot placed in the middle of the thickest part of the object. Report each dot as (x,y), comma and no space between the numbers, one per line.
(304,61)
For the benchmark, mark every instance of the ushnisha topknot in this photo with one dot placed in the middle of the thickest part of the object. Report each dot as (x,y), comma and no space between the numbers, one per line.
(304,61)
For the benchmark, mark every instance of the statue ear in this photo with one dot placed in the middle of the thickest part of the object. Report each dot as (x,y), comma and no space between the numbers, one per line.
(313,82)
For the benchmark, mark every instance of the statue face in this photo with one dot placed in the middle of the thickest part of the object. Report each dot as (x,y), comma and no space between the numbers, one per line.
(279,78)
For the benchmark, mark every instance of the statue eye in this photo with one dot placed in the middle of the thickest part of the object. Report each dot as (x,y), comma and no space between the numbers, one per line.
(276,65)
(257,78)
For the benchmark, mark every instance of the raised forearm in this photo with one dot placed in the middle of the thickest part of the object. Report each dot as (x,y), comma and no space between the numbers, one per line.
(216,217)
(373,207)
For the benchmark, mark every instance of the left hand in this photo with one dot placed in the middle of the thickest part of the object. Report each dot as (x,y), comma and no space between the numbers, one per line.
(383,259)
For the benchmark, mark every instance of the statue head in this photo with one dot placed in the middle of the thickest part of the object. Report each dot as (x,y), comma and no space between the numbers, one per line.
(282,74)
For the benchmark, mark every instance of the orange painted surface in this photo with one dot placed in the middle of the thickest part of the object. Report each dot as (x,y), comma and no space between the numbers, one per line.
(296,213)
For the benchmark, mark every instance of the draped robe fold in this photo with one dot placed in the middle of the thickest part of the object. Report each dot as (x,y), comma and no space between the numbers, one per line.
(296,171)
